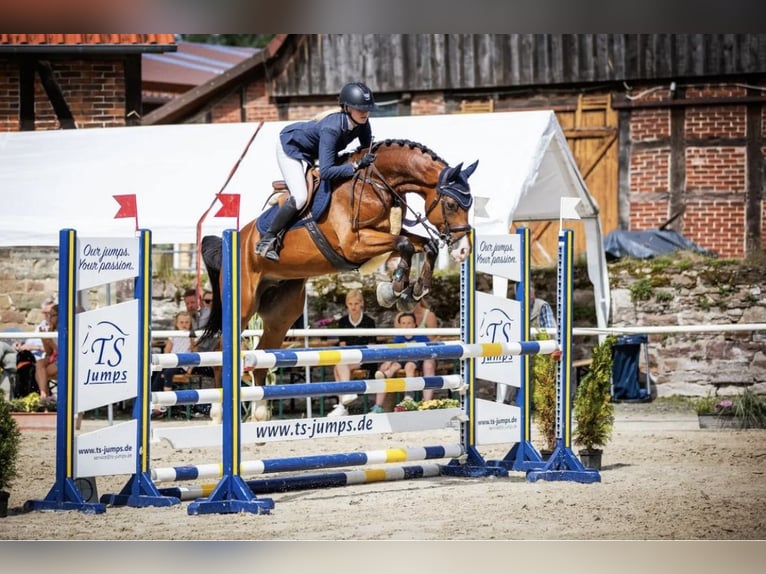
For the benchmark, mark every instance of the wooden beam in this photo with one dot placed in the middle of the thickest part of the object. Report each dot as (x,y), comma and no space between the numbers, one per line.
(588,133)
(55,95)
(26,95)
(133,96)
(598,154)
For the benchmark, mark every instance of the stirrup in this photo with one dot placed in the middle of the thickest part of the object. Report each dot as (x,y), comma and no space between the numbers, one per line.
(268,248)
(264,246)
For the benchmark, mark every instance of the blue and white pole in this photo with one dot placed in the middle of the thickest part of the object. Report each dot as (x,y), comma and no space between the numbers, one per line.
(563,464)
(232,495)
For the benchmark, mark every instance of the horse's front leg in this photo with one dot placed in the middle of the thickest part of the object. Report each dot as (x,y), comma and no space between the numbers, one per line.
(401,277)
(422,285)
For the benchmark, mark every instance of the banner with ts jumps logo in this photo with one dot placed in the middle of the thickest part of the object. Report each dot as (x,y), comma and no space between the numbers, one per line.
(498,321)
(106,366)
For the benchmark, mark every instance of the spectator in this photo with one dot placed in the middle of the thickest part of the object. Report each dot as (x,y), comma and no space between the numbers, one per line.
(540,317)
(210,343)
(46,368)
(540,313)
(35,344)
(204,313)
(426,318)
(190,300)
(356,318)
(8,368)
(178,344)
(388,369)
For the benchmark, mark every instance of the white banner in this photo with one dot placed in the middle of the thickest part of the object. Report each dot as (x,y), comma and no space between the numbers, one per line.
(107,451)
(497,423)
(104,260)
(106,367)
(499,321)
(314,428)
(499,255)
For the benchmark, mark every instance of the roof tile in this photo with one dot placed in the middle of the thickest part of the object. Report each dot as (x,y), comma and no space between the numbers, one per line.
(86,39)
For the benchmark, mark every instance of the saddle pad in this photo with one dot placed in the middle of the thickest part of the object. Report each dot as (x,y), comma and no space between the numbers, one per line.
(319,205)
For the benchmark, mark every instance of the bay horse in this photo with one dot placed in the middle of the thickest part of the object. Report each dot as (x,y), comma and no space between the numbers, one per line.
(354,228)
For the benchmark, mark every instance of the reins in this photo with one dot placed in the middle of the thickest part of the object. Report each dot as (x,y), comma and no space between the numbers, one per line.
(446,236)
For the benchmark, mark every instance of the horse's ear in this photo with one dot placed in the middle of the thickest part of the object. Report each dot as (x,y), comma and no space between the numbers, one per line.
(466,173)
(451,172)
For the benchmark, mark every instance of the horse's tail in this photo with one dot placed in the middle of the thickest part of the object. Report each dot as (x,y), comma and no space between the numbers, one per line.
(211,255)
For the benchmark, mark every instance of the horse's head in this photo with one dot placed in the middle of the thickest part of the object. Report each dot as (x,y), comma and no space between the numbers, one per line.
(453,195)
(409,167)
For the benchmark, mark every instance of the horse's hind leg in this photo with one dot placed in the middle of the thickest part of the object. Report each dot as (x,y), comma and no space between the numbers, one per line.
(279,305)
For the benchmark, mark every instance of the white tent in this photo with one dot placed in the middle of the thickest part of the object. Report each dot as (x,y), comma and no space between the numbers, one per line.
(66,178)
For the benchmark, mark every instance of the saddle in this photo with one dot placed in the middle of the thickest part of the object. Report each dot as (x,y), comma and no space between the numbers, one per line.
(280,192)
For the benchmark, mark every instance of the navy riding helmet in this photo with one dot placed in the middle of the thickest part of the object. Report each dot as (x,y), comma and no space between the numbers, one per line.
(358,96)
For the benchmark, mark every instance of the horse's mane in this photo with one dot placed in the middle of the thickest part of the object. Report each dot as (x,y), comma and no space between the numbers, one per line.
(404,143)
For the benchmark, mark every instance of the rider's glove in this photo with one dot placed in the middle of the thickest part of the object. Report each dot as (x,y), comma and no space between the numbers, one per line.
(365,161)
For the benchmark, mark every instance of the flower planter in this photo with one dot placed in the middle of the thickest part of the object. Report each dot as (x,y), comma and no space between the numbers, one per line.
(35,421)
(4,496)
(591,458)
(722,422)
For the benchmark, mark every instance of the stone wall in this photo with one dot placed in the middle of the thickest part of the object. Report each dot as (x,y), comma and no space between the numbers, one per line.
(29,275)
(685,290)
(694,290)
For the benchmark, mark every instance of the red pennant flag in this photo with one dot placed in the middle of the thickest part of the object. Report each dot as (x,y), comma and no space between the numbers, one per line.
(127,206)
(229,205)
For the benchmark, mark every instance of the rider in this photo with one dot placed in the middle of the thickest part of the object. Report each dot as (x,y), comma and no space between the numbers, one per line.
(302,143)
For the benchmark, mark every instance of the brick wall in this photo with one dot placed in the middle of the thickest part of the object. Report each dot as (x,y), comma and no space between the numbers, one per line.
(715,169)
(716,225)
(714,190)
(259,106)
(226,111)
(650,171)
(719,122)
(649,125)
(9,97)
(94,90)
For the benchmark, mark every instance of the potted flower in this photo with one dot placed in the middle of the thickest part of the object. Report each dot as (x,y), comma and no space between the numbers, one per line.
(406,404)
(33,413)
(593,408)
(544,368)
(434,404)
(746,410)
(410,404)
(10,437)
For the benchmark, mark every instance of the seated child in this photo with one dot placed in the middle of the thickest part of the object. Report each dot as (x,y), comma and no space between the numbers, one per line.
(404,320)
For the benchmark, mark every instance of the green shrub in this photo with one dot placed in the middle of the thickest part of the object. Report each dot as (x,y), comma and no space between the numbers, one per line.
(10,437)
(544,369)
(593,408)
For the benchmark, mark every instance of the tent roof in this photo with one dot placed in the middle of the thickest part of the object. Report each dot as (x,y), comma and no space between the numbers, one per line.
(66,178)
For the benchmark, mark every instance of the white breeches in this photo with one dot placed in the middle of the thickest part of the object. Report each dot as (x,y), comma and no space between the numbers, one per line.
(294,174)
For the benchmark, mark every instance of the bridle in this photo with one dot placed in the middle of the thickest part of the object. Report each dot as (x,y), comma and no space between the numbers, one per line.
(446,234)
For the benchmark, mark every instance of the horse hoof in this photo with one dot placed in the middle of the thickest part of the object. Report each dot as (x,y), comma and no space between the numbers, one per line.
(385,294)
(261,412)
(405,302)
(216,414)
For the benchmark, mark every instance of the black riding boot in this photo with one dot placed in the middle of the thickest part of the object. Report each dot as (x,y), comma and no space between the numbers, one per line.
(268,246)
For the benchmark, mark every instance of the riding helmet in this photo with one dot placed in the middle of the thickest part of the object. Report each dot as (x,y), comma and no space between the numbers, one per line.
(358,96)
